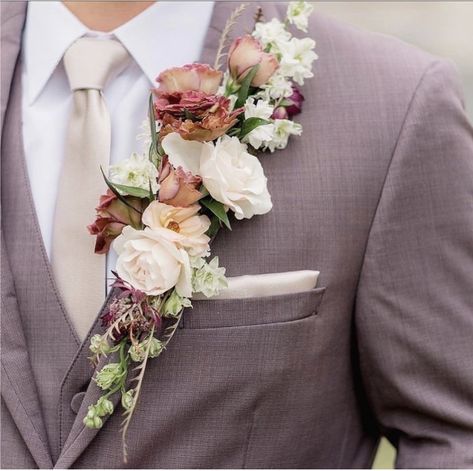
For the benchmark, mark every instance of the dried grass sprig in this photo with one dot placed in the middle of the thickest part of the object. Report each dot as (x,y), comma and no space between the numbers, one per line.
(223,42)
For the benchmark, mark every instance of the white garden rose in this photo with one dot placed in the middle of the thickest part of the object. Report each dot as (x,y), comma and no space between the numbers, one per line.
(298,14)
(137,171)
(183,226)
(232,176)
(152,263)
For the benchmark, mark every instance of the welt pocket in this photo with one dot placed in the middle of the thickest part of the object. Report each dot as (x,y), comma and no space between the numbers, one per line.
(218,313)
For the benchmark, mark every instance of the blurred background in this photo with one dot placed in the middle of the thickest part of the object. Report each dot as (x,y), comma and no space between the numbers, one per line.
(442,28)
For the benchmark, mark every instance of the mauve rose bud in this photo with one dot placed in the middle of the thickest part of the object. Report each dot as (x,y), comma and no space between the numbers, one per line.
(199,77)
(280,113)
(177,187)
(112,216)
(245,53)
(295,101)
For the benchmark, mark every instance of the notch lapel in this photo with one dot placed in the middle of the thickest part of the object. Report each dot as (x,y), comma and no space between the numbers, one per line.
(80,373)
(18,385)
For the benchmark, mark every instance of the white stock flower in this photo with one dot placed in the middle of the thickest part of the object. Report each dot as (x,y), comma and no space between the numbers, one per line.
(137,171)
(209,278)
(144,136)
(232,176)
(298,14)
(259,109)
(283,129)
(271,33)
(152,263)
(277,87)
(297,58)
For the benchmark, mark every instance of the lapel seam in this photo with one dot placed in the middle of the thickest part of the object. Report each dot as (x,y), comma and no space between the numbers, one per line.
(12,383)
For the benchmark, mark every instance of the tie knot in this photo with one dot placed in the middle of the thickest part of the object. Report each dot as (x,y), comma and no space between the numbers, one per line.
(90,62)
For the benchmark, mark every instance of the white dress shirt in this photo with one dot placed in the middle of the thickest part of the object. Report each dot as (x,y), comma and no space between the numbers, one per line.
(167,34)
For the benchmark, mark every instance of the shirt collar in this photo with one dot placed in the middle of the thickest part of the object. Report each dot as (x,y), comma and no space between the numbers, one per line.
(51,28)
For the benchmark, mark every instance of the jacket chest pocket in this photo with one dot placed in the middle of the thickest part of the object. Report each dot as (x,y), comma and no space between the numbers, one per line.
(222,313)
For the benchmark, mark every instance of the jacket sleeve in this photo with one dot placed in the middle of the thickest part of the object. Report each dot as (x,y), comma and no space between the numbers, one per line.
(414,308)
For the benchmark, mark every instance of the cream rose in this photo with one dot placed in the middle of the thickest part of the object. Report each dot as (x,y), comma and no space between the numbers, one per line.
(182,226)
(232,176)
(152,263)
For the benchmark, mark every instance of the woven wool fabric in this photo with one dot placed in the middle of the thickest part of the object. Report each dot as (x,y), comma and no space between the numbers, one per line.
(377,195)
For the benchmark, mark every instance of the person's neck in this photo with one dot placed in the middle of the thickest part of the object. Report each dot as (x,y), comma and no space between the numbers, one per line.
(105,16)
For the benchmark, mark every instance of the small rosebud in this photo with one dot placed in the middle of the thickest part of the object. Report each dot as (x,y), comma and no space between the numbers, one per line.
(104,407)
(137,352)
(280,113)
(99,345)
(174,305)
(128,399)
(108,375)
(294,102)
(92,420)
(155,348)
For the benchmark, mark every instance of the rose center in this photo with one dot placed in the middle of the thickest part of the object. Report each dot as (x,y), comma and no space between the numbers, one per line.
(174,226)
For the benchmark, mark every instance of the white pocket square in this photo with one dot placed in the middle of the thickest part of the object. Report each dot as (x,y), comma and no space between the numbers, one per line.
(267,284)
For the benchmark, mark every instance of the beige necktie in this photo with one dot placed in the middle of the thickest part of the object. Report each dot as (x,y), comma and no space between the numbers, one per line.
(80,273)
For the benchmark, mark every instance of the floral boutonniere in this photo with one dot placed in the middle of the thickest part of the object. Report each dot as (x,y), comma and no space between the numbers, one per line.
(162,209)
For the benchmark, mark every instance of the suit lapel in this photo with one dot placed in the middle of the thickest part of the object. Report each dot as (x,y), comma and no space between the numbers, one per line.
(12,22)
(81,373)
(18,383)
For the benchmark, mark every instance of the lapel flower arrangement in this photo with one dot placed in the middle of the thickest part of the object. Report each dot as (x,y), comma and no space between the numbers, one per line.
(163,208)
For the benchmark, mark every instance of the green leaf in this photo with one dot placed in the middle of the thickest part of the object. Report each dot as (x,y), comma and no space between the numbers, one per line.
(153,148)
(203,190)
(250,124)
(151,195)
(117,193)
(245,86)
(218,209)
(132,190)
(215,226)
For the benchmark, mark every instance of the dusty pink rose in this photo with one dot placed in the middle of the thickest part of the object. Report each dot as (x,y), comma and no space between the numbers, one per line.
(199,77)
(177,187)
(112,216)
(177,103)
(205,125)
(246,52)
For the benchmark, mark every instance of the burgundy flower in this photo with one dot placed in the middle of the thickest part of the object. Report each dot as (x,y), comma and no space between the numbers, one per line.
(295,102)
(112,216)
(280,113)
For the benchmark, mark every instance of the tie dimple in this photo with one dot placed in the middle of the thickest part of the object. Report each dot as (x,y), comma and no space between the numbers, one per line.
(91,63)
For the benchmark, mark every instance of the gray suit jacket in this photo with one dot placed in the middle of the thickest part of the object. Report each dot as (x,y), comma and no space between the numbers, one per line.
(377,195)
